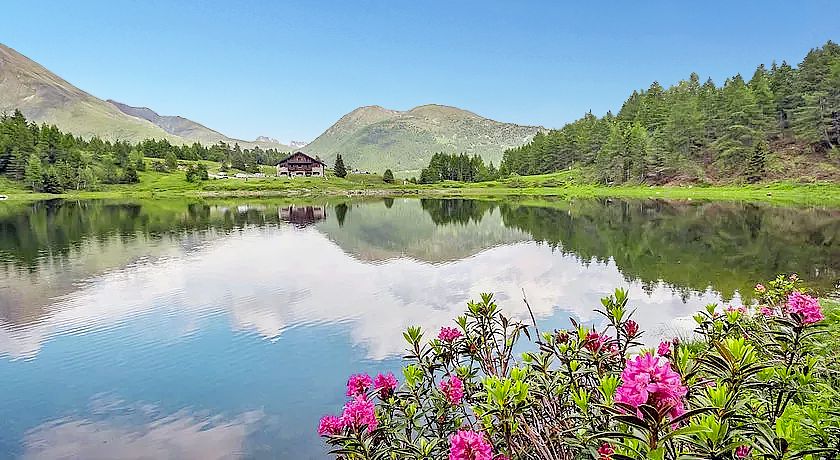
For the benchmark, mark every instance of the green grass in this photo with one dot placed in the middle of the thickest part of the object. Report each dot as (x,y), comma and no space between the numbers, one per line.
(567,184)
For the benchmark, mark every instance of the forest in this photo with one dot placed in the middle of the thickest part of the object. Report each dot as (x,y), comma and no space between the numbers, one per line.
(695,131)
(52,161)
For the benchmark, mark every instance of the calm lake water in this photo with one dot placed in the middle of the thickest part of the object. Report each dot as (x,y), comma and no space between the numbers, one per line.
(188,329)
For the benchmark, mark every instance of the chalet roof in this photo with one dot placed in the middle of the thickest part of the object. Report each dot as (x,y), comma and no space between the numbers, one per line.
(301,153)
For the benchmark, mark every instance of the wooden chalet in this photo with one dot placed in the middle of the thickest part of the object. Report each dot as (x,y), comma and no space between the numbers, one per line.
(300,164)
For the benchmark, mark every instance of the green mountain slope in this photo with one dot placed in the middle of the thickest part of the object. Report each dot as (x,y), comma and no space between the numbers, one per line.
(375,138)
(44,97)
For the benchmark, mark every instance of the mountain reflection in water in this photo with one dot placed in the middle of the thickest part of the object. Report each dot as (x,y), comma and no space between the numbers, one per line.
(190,329)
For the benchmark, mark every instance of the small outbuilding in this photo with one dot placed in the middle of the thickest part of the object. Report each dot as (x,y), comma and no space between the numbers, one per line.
(300,164)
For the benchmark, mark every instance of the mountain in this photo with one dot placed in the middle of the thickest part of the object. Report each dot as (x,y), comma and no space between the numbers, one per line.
(44,97)
(192,131)
(375,138)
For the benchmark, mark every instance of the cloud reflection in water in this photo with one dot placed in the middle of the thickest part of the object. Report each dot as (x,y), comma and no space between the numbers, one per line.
(272,278)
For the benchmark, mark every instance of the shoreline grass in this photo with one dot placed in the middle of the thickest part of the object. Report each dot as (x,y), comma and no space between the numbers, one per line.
(558,185)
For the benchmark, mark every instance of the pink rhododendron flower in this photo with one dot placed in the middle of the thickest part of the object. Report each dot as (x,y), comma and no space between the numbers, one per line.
(664,348)
(449,334)
(631,328)
(359,412)
(766,311)
(330,425)
(806,306)
(358,384)
(386,384)
(742,451)
(605,452)
(453,389)
(741,309)
(760,288)
(469,445)
(648,379)
(594,341)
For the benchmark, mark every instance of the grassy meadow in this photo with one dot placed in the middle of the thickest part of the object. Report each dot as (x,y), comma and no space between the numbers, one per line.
(562,184)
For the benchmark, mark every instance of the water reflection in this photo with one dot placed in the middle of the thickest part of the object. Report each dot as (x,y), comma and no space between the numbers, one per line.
(240,321)
(302,216)
(140,432)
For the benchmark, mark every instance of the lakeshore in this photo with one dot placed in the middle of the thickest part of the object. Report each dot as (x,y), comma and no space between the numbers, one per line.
(157,185)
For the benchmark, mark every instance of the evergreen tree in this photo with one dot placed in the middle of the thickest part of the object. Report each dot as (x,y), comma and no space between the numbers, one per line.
(130,174)
(757,162)
(52,184)
(339,169)
(34,173)
(388,177)
(171,161)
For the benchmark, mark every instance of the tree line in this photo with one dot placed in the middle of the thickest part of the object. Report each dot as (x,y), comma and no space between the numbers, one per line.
(696,130)
(49,160)
(456,167)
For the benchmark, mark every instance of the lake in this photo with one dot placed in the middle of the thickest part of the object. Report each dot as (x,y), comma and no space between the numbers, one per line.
(225,329)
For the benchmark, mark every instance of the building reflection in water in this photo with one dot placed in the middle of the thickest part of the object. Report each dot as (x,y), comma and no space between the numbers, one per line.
(301,216)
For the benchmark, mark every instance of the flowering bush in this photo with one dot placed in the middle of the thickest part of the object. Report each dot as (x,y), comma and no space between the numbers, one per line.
(754,382)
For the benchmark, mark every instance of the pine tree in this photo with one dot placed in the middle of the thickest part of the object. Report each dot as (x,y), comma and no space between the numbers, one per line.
(34,173)
(130,175)
(171,161)
(339,169)
(52,184)
(757,162)
(388,177)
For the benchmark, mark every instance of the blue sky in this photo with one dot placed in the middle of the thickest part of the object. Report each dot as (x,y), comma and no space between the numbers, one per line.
(290,69)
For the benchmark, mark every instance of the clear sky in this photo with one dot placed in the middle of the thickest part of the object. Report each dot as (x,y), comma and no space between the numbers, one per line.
(290,69)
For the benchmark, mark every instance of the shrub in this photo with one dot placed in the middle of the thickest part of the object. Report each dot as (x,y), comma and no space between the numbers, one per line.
(159,166)
(749,384)
(197,172)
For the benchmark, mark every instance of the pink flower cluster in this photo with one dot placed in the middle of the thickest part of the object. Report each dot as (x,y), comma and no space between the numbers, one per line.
(648,379)
(449,334)
(805,306)
(664,348)
(330,425)
(385,384)
(766,311)
(605,452)
(358,384)
(453,389)
(594,341)
(469,445)
(359,411)
(742,309)
(631,328)
(597,343)
(742,451)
